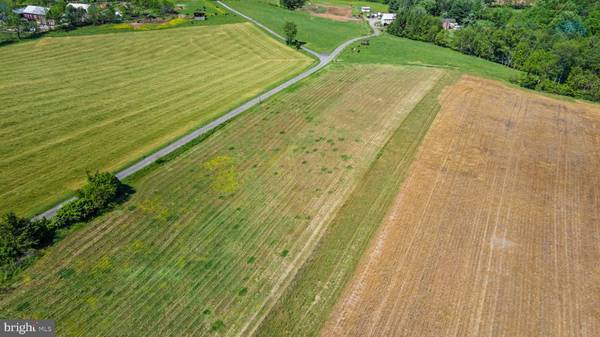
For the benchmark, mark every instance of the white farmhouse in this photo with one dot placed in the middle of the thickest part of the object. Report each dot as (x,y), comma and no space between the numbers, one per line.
(33,13)
(387,18)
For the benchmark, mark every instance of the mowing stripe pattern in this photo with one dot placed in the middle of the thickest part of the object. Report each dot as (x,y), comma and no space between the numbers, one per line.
(99,102)
(210,240)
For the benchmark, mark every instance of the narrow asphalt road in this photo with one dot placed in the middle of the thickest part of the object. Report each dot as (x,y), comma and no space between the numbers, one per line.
(324,59)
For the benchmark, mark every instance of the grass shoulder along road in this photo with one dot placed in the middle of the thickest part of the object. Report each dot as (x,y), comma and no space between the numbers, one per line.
(100,102)
(320,34)
(212,238)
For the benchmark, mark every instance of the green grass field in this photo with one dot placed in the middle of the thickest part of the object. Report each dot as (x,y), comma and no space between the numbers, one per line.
(98,102)
(307,303)
(389,49)
(211,8)
(211,239)
(321,35)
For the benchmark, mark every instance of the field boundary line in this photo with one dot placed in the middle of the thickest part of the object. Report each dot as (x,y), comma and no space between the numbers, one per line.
(324,60)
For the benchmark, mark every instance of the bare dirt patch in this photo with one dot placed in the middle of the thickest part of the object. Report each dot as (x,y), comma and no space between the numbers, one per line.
(337,13)
(495,232)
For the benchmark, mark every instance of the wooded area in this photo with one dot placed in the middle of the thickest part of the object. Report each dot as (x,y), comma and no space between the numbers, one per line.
(554,42)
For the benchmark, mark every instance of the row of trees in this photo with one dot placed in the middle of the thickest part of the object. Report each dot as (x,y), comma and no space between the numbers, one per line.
(554,42)
(21,239)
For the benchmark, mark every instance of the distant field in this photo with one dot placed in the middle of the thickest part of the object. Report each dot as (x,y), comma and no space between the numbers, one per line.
(101,101)
(356,5)
(127,27)
(322,35)
(211,239)
(494,232)
(216,15)
(209,7)
(389,49)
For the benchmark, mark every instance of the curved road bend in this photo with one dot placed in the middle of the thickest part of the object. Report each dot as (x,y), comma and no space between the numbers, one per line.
(323,61)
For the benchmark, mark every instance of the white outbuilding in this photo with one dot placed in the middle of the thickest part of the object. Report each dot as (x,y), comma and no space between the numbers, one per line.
(387,18)
(78,5)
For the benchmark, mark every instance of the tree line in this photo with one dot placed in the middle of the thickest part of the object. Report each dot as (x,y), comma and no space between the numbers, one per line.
(554,42)
(21,239)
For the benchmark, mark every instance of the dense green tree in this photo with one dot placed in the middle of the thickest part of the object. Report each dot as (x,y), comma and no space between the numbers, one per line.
(108,14)
(56,12)
(474,41)
(394,5)
(101,190)
(430,6)
(499,16)
(554,42)
(568,53)
(542,63)
(416,24)
(290,30)
(6,7)
(292,4)
(19,235)
(584,83)
(461,11)
(74,16)
(94,14)
(13,23)
(592,21)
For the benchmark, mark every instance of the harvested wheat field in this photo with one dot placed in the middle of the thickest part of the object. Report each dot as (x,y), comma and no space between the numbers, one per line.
(495,232)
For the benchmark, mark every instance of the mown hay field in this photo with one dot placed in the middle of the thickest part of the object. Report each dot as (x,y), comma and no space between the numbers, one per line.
(210,240)
(494,232)
(390,49)
(98,102)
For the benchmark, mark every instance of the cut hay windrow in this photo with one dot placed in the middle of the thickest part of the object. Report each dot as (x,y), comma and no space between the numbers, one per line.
(100,102)
(211,239)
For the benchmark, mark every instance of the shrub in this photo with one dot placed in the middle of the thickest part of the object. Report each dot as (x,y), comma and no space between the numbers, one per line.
(73,212)
(101,190)
(291,4)
(96,196)
(19,237)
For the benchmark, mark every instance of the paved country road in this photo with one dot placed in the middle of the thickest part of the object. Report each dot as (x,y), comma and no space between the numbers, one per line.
(324,59)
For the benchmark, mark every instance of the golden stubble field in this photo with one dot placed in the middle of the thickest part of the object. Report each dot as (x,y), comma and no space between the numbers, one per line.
(496,230)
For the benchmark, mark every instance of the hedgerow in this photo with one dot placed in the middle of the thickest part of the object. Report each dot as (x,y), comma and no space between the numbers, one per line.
(21,239)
